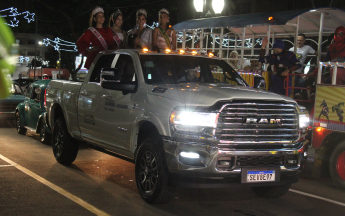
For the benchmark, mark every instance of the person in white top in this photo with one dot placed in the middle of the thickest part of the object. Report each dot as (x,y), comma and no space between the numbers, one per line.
(115,23)
(302,51)
(301,54)
(144,33)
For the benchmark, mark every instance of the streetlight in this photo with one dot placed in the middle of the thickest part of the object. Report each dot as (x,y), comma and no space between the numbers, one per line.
(199,5)
(41,44)
(217,5)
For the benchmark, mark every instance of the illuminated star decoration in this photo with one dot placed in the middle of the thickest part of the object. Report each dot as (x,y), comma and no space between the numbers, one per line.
(27,16)
(60,44)
(13,13)
(21,59)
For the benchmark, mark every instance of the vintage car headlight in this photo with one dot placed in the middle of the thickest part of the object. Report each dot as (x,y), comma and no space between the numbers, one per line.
(193,121)
(303,121)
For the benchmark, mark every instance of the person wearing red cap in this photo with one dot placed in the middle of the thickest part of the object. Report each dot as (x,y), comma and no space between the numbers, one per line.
(282,62)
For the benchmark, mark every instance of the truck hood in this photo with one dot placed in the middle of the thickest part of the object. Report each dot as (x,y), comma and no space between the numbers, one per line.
(202,94)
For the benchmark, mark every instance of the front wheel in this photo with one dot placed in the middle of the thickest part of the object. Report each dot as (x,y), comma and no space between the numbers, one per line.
(151,173)
(271,191)
(64,147)
(337,166)
(20,129)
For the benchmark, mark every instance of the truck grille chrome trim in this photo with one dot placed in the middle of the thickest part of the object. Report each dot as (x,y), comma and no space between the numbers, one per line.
(273,123)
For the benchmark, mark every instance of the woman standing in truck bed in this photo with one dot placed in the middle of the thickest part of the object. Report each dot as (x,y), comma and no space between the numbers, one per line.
(97,38)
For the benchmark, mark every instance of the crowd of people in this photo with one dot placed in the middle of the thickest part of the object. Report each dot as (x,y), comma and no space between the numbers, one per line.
(99,37)
(282,62)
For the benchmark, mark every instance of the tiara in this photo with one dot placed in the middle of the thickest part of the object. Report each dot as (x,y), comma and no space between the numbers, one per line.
(97,10)
(163,10)
(117,13)
(141,12)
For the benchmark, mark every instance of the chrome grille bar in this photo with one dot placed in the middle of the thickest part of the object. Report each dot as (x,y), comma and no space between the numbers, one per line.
(271,123)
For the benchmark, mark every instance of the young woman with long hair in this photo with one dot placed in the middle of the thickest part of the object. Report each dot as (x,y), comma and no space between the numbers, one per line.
(144,33)
(115,23)
(96,38)
(163,36)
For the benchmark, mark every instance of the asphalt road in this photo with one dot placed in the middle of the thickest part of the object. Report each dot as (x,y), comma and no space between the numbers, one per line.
(33,183)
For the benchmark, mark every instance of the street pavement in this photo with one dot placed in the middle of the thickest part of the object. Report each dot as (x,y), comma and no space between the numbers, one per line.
(33,183)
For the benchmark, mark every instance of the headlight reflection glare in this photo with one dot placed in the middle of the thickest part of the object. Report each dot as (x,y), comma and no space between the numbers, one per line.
(303,121)
(193,118)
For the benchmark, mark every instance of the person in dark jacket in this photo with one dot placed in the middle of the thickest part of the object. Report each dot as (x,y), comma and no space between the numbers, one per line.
(282,63)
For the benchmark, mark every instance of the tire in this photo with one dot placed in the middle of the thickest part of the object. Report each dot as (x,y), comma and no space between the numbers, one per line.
(65,148)
(151,173)
(20,129)
(44,136)
(271,191)
(337,166)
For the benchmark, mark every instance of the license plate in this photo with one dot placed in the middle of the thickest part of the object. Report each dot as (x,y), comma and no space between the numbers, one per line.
(261,176)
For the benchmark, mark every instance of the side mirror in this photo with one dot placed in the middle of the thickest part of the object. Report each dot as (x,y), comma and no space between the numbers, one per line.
(259,82)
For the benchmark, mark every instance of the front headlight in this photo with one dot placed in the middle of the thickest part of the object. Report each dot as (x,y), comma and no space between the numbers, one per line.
(303,121)
(193,121)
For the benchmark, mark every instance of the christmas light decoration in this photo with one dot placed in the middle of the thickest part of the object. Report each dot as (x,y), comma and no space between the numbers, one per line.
(13,13)
(226,40)
(22,59)
(58,42)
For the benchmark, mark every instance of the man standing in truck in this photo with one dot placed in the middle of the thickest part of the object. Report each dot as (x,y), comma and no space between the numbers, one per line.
(282,62)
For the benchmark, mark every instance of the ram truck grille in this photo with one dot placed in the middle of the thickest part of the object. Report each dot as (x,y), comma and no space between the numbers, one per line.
(257,123)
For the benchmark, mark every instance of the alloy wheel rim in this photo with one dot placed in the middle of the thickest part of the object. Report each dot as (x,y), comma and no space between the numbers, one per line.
(43,134)
(148,172)
(341,166)
(18,123)
(58,141)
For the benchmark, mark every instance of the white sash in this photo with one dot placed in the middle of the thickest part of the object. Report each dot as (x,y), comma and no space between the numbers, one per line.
(99,37)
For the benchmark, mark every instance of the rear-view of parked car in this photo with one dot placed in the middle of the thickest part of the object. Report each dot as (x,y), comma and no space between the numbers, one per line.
(9,104)
(31,113)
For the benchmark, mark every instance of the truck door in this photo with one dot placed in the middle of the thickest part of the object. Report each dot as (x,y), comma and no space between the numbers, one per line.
(89,102)
(117,107)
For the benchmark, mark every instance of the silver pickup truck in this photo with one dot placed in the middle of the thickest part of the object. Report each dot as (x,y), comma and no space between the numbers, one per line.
(181,125)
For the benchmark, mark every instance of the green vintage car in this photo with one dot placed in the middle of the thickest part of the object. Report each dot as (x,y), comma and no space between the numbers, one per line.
(9,104)
(31,113)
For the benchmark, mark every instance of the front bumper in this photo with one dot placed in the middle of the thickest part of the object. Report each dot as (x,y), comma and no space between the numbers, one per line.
(220,162)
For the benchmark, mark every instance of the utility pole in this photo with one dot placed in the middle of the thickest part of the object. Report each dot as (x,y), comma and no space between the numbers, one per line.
(59,63)
(35,48)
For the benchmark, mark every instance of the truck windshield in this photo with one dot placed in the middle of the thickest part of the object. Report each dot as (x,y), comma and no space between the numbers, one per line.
(177,69)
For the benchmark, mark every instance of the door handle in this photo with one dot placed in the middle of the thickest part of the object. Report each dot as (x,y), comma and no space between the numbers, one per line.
(107,96)
(84,93)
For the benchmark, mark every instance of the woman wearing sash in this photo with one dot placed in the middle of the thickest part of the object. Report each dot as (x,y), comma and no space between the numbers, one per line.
(115,23)
(164,37)
(145,34)
(97,38)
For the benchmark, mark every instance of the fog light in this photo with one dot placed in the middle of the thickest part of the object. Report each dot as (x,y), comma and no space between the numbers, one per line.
(291,161)
(225,163)
(189,155)
(305,154)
